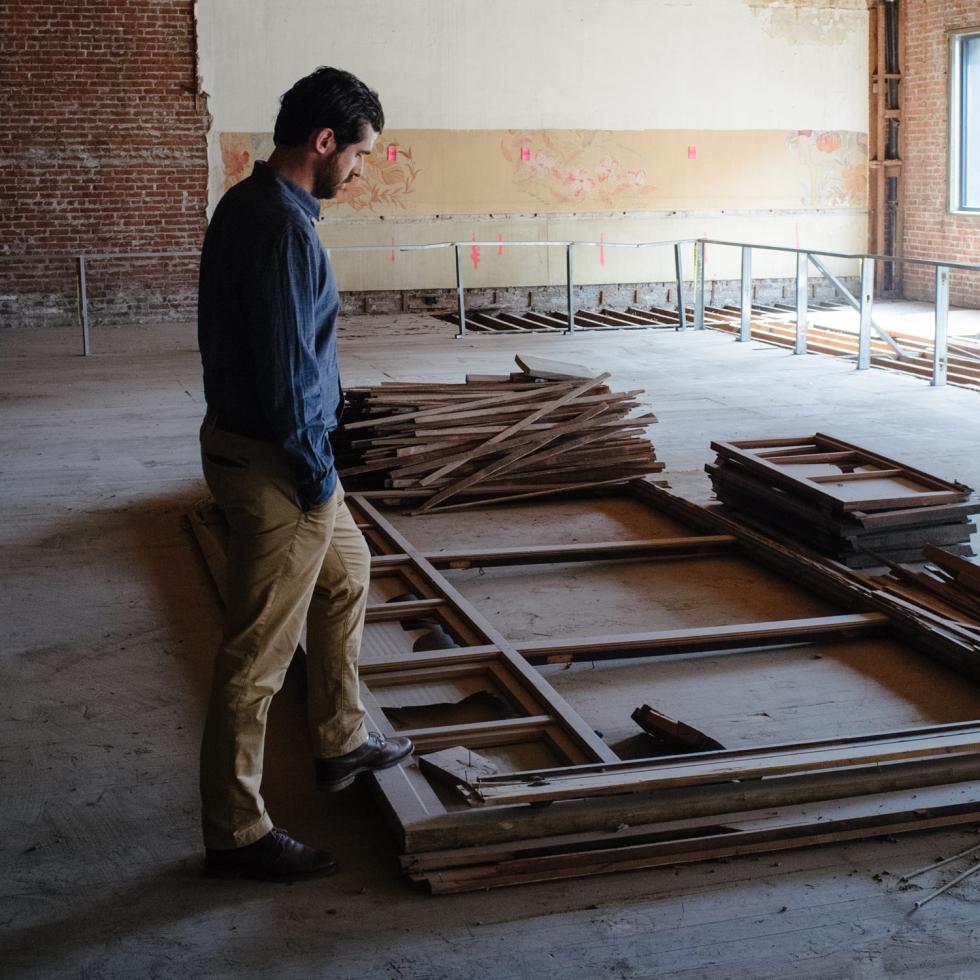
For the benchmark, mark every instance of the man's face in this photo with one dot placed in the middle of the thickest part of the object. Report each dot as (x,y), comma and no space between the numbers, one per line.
(341,166)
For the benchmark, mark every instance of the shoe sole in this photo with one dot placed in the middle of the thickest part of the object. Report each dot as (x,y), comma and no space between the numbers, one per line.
(336,785)
(235,874)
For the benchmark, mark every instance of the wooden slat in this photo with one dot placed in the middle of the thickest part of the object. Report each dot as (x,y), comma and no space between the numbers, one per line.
(661,643)
(705,544)
(807,832)
(389,612)
(698,639)
(718,768)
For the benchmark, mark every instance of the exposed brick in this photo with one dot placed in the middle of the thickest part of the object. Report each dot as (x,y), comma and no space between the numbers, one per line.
(930,230)
(103,140)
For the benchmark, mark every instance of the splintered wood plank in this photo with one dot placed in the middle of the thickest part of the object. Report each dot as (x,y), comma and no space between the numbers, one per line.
(456,765)
(676,734)
(532,444)
(462,409)
(965,573)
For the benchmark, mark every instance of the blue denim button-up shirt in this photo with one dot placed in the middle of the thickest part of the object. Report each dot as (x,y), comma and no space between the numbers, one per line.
(267,315)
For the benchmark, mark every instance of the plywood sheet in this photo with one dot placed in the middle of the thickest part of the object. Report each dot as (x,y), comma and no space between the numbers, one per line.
(769,696)
(557,522)
(569,600)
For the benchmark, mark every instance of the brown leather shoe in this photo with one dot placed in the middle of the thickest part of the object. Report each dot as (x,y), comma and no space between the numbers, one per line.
(275,857)
(377,752)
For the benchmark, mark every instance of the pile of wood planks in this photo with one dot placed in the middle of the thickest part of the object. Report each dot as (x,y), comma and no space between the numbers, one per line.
(946,591)
(546,429)
(872,776)
(848,503)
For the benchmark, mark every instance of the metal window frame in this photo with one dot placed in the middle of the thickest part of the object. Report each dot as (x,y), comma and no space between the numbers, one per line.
(955,170)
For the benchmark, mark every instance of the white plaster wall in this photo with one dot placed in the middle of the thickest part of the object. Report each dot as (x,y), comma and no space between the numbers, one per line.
(563,64)
(553,64)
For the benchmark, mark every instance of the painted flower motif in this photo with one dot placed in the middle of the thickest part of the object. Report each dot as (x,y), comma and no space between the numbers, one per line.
(829,142)
(384,185)
(854,179)
(234,159)
(833,167)
(573,167)
(578,181)
(541,163)
(607,169)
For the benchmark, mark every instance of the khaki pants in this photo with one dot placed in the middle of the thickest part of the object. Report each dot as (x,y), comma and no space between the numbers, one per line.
(285,567)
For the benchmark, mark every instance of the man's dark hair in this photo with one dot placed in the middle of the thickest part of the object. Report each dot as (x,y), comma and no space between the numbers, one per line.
(328,98)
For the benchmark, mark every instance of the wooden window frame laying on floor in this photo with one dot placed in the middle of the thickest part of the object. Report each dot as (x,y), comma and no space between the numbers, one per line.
(777,460)
(595,812)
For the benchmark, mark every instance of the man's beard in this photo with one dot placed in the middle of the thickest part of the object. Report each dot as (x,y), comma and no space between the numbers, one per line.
(326,181)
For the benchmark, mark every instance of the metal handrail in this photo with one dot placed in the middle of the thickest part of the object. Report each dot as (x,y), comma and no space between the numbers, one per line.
(943,263)
(804,257)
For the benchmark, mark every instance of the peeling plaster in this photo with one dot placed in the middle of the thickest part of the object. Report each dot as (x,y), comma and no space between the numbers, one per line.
(822,22)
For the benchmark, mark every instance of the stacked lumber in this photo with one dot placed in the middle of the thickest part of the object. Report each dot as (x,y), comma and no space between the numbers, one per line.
(946,591)
(848,503)
(549,428)
(861,798)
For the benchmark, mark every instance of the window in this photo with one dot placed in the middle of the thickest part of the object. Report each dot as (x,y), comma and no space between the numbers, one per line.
(964,142)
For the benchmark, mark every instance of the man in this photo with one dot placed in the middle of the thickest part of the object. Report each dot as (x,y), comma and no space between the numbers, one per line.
(267,318)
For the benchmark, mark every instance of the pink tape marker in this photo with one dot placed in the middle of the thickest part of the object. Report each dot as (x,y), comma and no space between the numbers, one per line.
(475,252)
(692,153)
(500,247)
(525,153)
(602,249)
(392,152)
(392,248)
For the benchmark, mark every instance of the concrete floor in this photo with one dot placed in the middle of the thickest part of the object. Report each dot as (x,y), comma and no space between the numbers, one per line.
(108,624)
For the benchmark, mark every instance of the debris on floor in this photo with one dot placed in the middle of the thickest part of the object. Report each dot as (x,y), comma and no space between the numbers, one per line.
(550,428)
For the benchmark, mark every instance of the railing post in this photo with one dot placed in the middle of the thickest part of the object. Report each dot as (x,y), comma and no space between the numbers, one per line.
(745,327)
(460,302)
(846,293)
(570,287)
(83,307)
(699,285)
(802,268)
(940,351)
(681,290)
(867,299)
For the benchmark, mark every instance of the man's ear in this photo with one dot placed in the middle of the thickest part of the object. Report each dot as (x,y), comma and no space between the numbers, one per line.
(323,142)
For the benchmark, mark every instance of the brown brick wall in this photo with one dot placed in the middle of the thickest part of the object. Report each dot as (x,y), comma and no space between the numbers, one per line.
(103,149)
(930,231)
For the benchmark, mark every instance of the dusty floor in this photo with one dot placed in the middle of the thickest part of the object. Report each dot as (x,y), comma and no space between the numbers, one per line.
(108,624)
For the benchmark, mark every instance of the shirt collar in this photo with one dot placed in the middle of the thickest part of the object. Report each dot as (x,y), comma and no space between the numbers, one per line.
(302,197)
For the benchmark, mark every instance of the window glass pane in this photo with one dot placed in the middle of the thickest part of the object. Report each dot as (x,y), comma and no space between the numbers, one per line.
(970,124)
